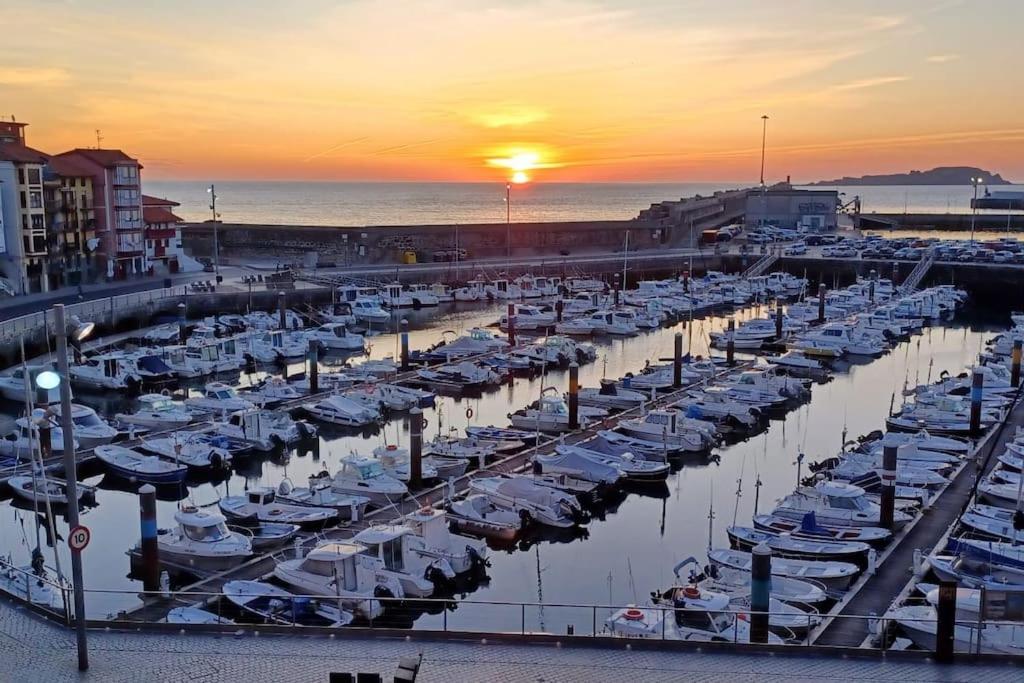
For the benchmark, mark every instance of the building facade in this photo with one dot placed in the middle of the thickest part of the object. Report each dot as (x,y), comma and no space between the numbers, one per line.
(163,234)
(71,225)
(783,206)
(23,210)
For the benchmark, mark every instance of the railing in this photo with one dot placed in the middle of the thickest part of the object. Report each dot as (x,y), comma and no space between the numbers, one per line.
(918,273)
(761,265)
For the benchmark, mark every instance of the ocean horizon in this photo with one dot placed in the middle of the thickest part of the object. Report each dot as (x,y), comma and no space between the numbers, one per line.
(367,204)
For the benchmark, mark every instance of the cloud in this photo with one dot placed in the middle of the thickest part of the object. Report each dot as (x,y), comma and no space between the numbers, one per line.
(869,83)
(510,116)
(942,59)
(32,76)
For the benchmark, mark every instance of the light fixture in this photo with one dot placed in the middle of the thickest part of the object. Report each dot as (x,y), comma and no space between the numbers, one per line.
(79,330)
(47,380)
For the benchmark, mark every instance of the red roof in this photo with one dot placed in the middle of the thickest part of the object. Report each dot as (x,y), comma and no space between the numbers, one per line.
(68,168)
(10,151)
(156,214)
(147,200)
(103,157)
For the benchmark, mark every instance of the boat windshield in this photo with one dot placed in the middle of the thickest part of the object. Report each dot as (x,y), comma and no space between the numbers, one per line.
(224,394)
(370,470)
(845,503)
(162,405)
(89,419)
(206,534)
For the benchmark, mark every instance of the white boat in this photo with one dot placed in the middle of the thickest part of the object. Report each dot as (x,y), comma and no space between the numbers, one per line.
(405,558)
(260,504)
(163,334)
(272,391)
(797,360)
(36,489)
(341,410)
(136,467)
(582,327)
(551,415)
(366,477)
(532,502)
(277,606)
(395,462)
(393,296)
(202,540)
(390,396)
(976,572)
(697,615)
(473,291)
(12,386)
(29,585)
(923,440)
(23,439)
(195,616)
(463,554)
(631,468)
(158,412)
(458,449)
(666,426)
(319,494)
(193,449)
(992,521)
(264,430)
(607,322)
(782,615)
(442,292)
(1000,552)
(422,295)
(836,504)
(219,398)
(502,290)
(477,341)
(106,371)
(529,317)
(611,397)
(787,546)
(575,463)
(343,571)
(832,575)
(336,337)
(464,375)
(369,311)
(272,345)
(477,514)
(920,623)
(714,403)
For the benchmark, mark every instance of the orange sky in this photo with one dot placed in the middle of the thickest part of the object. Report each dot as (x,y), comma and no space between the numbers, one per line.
(476,89)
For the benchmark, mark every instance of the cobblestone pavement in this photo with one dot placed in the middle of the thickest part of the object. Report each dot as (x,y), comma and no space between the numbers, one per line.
(33,650)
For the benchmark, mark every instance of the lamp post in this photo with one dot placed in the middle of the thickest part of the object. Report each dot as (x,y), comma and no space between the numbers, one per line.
(508,225)
(974,205)
(216,245)
(764,138)
(48,380)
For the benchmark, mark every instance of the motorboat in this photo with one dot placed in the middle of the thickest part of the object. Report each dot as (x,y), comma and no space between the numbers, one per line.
(202,540)
(273,345)
(765,380)
(442,293)
(158,412)
(35,585)
(528,317)
(992,522)
(106,371)
(219,398)
(713,403)
(808,527)
(531,501)
(502,289)
(920,623)
(783,616)
(830,574)
(331,381)
(462,376)
(461,450)
(463,554)
(379,367)
(607,441)
(836,504)
(607,322)
(787,546)
(193,449)
(369,311)
(975,572)
(396,464)
(610,397)
(582,327)
(422,295)
(405,558)
(136,467)
(338,312)
(576,463)
(492,434)
(365,477)
(336,337)
(272,391)
(475,342)
(24,437)
(631,468)
(265,535)
(40,489)
(264,430)
(260,504)
(473,291)
(391,396)
(797,360)
(195,616)
(922,439)
(344,571)
(275,605)
(666,426)
(12,385)
(949,417)
(342,410)
(319,494)
(394,296)
(477,514)
(1000,552)
(551,414)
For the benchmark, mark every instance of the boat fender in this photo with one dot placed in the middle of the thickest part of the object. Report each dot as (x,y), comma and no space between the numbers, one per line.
(216,460)
(424,424)
(525,518)
(469,413)
(165,392)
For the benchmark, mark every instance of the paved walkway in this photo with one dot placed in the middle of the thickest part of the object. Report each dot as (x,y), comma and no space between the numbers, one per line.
(33,650)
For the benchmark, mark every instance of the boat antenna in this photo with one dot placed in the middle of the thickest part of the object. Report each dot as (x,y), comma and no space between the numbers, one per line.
(757,491)
(799,463)
(632,583)
(711,515)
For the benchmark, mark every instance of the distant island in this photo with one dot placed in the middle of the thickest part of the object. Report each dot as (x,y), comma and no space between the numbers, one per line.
(943,175)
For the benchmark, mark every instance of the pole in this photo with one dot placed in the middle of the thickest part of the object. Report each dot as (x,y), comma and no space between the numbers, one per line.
(888,477)
(1015,363)
(71,477)
(821,303)
(405,344)
(559,307)
(778,321)
(150,549)
(508,226)
(282,318)
(677,361)
(182,337)
(730,344)
(615,289)
(946,626)
(974,206)
(314,366)
(977,388)
(216,240)
(510,319)
(574,396)
(416,448)
(760,592)
(764,138)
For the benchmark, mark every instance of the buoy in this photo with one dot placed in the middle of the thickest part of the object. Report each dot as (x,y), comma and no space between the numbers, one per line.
(633,614)
(469,413)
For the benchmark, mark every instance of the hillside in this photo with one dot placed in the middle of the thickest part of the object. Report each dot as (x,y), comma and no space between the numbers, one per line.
(943,175)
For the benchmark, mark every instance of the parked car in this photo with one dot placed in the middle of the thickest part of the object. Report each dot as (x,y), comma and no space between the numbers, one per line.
(795,249)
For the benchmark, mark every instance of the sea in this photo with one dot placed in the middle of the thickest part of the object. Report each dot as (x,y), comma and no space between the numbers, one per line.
(380,204)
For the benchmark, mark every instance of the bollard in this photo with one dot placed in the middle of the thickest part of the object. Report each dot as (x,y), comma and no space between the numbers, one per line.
(574,396)
(314,366)
(946,618)
(760,592)
(730,344)
(405,344)
(416,448)
(821,302)
(282,319)
(510,319)
(888,477)
(1015,363)
(778,321)
(150,549)
(182,336)
(977,389)
(677,361)
(559,306)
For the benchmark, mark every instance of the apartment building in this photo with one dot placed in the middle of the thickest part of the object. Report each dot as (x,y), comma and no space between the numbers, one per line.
(163,234)
(22,211)
(71,240)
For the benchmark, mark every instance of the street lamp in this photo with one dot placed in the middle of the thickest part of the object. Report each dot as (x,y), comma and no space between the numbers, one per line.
(216,246)
(77,331)
(974,204)
(508,225)
(764,138)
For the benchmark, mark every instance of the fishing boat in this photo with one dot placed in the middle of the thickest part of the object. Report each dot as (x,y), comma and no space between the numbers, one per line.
(365,477)
(277,606)
(264,430)
(260,504)
(156,411)
(610,397)
(784,545)
(202,540)
(404,557)
(608,441)
(477,514)
(195,450)
(531,501)
(836,504)
(462,554)
(830,574)
(136,467)
(341,410)
(319,494)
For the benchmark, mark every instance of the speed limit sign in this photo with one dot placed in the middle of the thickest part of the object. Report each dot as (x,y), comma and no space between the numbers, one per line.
(78,539)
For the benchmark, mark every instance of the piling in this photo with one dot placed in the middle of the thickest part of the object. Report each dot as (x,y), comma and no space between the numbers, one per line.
(686,281)
(559,306)
(760,592)
(1015,363)
(416,448)
(150,549)
(821,302)
(730,344)
(677,361)
(615,289)
(182,336)
(946,621)
(404,336)
(282,321)
(778,321)
(314,366)
(510,319)
(872,279)
(45,440)
(888,477)
(574,396)
(977,389)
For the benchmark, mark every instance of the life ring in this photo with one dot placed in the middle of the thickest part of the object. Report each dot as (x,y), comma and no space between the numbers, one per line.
(633,614)
(424,424)
(691,592)
(469,413)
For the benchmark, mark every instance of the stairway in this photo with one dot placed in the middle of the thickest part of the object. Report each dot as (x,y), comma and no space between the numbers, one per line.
(761,266)
(918,273)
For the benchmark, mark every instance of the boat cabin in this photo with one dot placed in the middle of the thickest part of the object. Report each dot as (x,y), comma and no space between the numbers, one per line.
(335,560)
(387,543)
(202,526)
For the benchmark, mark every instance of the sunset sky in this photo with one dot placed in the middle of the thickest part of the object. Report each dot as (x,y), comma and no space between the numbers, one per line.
(561,90)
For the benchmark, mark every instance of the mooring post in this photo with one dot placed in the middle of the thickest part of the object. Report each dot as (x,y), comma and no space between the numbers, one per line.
(946,618)
(977,389)
(821,302)
(872,278)
(888,476)
(559,306)
(510,319)
(416,448)
(405,344)
(615,289)
(730,344)
(282,318)
(182,336)
(778,320)
(574,396)
(686,281)
(677,361)
(1018,344)
(150,549)
(760,592)
(314,366)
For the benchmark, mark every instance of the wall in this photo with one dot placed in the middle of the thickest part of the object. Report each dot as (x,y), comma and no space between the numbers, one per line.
(784,208)
(10,235)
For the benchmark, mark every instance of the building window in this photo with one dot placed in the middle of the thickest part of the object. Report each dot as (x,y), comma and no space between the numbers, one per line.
(21,176)
(24,203)
(34,177)
(37,221)
(35,199)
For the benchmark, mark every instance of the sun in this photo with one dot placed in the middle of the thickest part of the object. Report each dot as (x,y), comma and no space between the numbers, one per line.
(520,177)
